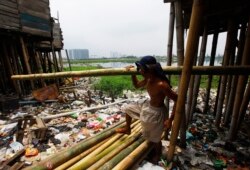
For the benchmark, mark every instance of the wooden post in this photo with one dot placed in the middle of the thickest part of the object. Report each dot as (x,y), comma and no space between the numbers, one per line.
(232,33)
(180,56)
(228,111)
(26,60)
(240,87)
(68,59)
(191,48)
(61,60)
(15,63)
(213,52)
(243,106)
(198,77)
(8,63)
(170,45)
(39,67)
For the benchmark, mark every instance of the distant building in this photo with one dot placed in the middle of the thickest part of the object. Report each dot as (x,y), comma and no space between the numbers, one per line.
(78,54)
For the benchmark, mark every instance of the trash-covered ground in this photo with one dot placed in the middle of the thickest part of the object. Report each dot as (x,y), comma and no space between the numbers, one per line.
(24,134)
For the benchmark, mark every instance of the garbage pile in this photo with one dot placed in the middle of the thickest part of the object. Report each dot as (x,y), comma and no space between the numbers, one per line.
(39,129)
(44,126)
(208,148)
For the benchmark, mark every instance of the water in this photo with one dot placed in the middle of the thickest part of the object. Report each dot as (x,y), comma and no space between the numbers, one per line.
(124,64)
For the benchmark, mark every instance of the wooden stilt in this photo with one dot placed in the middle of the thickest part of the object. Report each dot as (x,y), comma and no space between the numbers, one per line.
(209,83)
(180,53)
(39,67)
(26,60)
(192,45)
(15,63)
(231,36)
(3,69)
(68,60)
(198,77)
(7,61)
(240,88)
(229,79)
(60,60)
(243,107)
(228,111)
(170,45)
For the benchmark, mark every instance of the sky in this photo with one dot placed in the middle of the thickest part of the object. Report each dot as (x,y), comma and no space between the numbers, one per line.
(122,27)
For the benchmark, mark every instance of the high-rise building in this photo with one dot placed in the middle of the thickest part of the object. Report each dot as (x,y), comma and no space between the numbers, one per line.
(78,54)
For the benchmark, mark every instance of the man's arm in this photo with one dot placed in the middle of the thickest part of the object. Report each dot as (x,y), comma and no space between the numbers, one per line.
(137,83)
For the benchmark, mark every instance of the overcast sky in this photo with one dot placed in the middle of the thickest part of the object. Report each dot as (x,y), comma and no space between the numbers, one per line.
(127,27)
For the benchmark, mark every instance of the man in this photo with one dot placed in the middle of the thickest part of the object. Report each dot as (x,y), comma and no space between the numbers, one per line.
(152,113)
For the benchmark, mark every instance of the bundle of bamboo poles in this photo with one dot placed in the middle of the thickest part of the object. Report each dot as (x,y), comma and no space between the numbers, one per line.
(107,150)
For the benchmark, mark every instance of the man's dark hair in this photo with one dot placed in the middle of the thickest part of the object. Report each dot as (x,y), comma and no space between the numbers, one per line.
(149,63)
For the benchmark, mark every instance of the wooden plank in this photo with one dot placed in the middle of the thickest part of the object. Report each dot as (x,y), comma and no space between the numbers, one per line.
(37,6)
(9,4)
(35,31)
(43,15)
(9,22)
(9,14)
(8,9)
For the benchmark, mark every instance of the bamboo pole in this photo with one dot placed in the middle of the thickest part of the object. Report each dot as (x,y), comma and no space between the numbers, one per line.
(65,155)
(92,157)
(229,107)
(81,110)
(124,153)
(179,32)
(15,63)
(111,153)
(26,60)
(198,70)
(191,48)
(3,78)
(243,106)
(67,55)
(39,67)
(60,60)
(110,146)
(10,68)
(230,81)
(198,77)
(133,158)
(79,157)
(170,45)
(217,97)
(180,56)
(231,36)
(240,87)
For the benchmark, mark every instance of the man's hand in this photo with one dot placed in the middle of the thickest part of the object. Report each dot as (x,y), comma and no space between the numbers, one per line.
(168,124)
(129,67)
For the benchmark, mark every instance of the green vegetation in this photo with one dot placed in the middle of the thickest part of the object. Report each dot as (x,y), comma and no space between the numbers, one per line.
(114,85)
(81,68)
(203,83)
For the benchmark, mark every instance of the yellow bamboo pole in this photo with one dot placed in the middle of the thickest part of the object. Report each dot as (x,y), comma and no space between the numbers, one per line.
(129,140)
(99,153)
(79,157)
(192,45)
(197,70)
(129,161)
